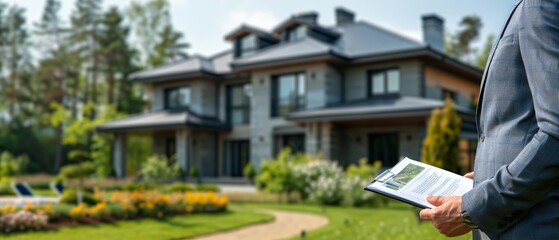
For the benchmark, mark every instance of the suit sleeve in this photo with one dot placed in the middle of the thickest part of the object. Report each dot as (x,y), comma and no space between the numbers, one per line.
(497,203)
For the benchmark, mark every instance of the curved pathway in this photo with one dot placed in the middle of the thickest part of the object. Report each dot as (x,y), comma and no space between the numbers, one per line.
(286,224)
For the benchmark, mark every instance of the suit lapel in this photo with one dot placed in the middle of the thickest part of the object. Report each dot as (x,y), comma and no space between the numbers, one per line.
(488,64)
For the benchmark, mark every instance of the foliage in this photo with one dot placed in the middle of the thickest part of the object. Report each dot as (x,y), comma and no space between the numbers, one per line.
(306,174)
(138,186)
(354,193)
(10,165)
(364,170)
(77,171)
(194,173)
(181,187)
(440,146)
(22,221)
(277,176)
(158,169)
(138,150)
(250,172)
(70,196)
(459,43)
(328,189)
(207,188)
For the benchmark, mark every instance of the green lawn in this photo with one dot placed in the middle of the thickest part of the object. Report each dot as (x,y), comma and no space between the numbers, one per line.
(397,221)
(172,228)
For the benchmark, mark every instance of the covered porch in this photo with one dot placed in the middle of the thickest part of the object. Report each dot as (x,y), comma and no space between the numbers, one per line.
(191,139)
(383,130)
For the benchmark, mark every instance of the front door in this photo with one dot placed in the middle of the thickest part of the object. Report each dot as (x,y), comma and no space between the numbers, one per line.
(384,147)
(237,158)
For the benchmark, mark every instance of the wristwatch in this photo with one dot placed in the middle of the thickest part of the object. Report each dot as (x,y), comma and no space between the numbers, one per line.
(468,220)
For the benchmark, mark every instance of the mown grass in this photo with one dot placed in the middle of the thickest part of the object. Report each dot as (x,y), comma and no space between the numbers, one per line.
(177,227)
(395,221)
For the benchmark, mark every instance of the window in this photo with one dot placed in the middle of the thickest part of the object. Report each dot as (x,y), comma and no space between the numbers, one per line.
(177,98)
(294,142)
(296,33)
(384,148)
(248,45)
(384,82)
(449,93)
(289,93)
(238,104)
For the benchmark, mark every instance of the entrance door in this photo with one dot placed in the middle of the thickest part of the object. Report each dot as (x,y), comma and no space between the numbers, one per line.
(237,159)
(384,147)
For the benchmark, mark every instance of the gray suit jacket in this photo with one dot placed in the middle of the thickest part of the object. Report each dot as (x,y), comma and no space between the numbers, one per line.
(516,184)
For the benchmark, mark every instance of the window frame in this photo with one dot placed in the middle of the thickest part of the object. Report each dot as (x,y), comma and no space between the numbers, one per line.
(247,51)
(168,90)
(275,98)
(230,107)
(385,94)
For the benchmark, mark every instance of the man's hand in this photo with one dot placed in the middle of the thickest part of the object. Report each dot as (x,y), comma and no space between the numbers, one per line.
(446,216)
(469,175)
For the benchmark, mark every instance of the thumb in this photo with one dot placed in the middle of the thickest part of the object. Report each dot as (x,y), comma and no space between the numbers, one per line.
(436,200)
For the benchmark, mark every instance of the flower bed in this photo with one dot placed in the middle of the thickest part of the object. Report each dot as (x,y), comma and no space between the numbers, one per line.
(113,206)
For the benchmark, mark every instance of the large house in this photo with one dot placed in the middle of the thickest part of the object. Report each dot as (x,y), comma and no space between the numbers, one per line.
(348,91)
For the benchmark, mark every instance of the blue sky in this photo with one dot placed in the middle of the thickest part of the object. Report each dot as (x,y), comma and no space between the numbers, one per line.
(205,22)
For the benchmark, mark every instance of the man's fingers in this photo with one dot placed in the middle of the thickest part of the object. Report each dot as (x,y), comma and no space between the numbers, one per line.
(436,200)
(425,214)
(469,175)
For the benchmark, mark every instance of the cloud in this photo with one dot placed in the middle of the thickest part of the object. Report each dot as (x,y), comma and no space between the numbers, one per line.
(258,18)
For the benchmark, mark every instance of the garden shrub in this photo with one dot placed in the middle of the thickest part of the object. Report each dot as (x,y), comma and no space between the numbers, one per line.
(363,169)
(181,187)
(355,195)
(308,173)
(250,172)
(328,190)
(22,221)
(70,196)
(5,189)
(277,176)
(159,169)
(137,186)
(207,188)
(194,173)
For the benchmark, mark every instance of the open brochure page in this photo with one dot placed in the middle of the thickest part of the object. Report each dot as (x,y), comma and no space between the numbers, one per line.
(413,181)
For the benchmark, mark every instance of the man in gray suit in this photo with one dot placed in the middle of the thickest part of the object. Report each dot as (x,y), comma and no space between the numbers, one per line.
(516,181)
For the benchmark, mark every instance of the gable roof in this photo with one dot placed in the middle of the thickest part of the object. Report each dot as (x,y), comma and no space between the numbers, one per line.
(247,29)
(193,66)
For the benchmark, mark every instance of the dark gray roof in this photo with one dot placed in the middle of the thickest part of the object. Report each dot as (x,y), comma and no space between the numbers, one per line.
(162,120)
(195,65)
(356,40)
(244,29)
(398,107)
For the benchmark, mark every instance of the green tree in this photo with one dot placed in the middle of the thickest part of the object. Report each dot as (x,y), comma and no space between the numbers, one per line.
(440,146)
(157,41)
(117,63)
(459,44)
(482,57)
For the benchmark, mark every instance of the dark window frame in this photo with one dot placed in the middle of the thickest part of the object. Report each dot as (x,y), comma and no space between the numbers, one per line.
(385,94)
(230,107)
(167,91)
(275,93)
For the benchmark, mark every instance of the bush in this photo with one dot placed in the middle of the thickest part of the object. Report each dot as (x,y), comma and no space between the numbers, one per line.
(249,172)
(40,185)
(194,173)
(158,169)
(355,195)
(22,221)
(364,170)
(207,188)
(77,171)
(137,186)
(11,165)
(5,189)
(181,187)
(308,173)
(70,196)
(328,190)
(276,175)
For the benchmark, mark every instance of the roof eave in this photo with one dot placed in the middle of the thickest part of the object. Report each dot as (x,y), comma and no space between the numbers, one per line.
(178,76)
(329,55)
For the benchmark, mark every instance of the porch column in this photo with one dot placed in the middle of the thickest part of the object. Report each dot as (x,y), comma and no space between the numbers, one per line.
(182,137)
(326,140)
(312,132)
(119,155)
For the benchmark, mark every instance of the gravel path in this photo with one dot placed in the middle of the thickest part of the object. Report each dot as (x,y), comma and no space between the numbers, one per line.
(286,224)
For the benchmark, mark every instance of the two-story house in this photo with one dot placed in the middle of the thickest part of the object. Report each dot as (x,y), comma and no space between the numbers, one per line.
(348,91)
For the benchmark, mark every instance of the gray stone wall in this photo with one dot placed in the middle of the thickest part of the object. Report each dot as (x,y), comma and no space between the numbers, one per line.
(203,96)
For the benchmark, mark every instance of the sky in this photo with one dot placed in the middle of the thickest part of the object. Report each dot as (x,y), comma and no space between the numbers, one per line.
(204,23)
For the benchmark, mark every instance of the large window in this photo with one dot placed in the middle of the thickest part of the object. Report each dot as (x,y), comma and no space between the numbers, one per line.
(248,45)
(384,148)
(289,93)
(177,98)
(384,82)
(296,33)
(238,104)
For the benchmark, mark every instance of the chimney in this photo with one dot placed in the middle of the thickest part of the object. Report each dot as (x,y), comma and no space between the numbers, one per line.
(311,17)
(344,16)
(433,31)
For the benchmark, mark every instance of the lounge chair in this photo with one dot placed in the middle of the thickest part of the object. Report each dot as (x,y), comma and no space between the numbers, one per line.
(58,188)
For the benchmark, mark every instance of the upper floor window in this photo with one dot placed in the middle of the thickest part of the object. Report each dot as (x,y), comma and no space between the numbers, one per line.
(289,93)
(384,82)
(238,104)
(296,33)
(177,97)
(248,45)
